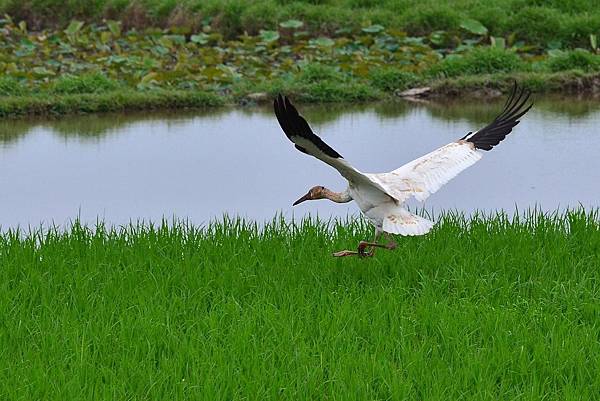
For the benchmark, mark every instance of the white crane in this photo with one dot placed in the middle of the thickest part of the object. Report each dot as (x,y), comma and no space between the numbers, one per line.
(381,197)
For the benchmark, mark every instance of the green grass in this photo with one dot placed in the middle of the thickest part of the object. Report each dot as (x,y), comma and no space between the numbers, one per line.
(85,83)
(574,60)
(567,82)
(44,104)
(481,308)
(478,61)
(540,22)
(105,67)
(10,86)
(381,87)
(389,79)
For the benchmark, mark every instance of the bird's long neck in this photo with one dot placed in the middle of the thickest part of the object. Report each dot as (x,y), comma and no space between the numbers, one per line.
(338,197)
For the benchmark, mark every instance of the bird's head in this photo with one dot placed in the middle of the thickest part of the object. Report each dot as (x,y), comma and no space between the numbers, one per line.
(314,193)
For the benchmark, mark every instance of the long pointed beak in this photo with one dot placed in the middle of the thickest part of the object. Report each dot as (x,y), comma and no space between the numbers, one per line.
(304,198)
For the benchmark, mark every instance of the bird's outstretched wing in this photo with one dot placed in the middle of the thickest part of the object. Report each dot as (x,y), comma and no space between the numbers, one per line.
(306,141)
(493,133)
(425,175)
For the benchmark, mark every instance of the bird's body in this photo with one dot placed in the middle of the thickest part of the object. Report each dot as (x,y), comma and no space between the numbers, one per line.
(381,197)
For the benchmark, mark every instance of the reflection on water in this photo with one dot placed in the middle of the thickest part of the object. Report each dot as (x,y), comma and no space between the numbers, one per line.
(200,165)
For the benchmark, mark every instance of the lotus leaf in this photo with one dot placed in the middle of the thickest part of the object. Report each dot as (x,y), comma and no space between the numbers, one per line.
(291,24)
(73,28)
(373,29)
(473,26)
(269,36)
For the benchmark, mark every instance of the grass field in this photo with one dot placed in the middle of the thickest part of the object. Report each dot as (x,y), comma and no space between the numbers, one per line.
(485,308)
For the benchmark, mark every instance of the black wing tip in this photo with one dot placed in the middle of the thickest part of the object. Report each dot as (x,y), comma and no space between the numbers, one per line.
(283,104)
(516,106)
(294,125)
(279,103)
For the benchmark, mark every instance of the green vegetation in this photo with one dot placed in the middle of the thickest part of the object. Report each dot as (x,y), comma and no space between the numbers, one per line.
(539,22)
(86,83)
(481,308)
(48,104)
(478,61)
(389,79)
(577,59)
(90,68)
(574,81)
(59,58)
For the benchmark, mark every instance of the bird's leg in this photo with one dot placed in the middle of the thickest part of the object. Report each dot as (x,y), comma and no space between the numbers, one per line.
(363,245)
(340,254)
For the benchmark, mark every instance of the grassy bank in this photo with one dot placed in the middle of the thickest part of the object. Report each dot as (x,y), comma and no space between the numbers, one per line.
(486,86)
(90,68)
(47,104)
(486,308)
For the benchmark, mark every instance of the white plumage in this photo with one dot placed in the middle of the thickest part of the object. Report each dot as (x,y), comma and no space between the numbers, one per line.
(425,175)
(381,196)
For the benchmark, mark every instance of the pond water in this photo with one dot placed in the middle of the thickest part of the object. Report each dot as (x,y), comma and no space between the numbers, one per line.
(198,166)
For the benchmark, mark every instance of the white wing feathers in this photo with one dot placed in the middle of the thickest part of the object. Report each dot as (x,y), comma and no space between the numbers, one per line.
(421,177)
(306,141)
(405,223)
(425,175)
(338,163)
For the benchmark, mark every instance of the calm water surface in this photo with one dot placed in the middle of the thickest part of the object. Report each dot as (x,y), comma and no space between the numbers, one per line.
(199,166)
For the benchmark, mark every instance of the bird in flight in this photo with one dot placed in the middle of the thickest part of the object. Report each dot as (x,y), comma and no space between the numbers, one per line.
(381,197)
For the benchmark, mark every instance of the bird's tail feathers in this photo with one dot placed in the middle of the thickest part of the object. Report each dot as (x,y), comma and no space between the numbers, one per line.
(404,222)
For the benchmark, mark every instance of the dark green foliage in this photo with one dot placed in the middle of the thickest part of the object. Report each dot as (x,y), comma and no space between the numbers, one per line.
(335,91)
(492,15)
(538,25)
(480,308)
(88,67)
(349,90)
(46,104)
(579,28)
(568,82)
(229,17)
(204,61)
(578,59)
(314,73)
(10,86)
(322,83)
(536,22)
(426,18)
(390,79)
(480,60)
(87,83)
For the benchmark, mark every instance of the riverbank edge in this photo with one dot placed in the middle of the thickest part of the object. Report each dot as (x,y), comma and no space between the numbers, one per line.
(478,86)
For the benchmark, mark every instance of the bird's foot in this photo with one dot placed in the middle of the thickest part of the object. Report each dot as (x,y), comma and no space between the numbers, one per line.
(391,245)
(362,249)
(362,245)
(344,253)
